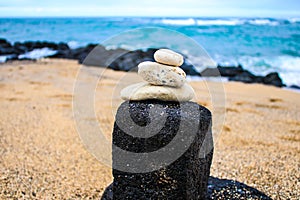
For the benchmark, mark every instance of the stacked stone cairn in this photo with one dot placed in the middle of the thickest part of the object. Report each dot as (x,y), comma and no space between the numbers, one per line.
(165,79)
(173,162)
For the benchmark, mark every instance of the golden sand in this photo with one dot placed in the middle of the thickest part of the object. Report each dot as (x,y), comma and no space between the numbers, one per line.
(256,129)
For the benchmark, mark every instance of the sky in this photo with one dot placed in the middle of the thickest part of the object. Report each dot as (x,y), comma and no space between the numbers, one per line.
(152,8)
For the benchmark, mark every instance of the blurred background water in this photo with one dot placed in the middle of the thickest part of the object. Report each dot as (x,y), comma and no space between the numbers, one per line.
(260,45)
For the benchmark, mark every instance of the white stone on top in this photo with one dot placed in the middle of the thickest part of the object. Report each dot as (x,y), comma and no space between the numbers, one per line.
(168,57)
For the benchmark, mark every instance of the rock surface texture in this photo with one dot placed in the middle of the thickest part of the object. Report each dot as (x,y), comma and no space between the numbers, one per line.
(168,57)
(159,74)
(143,91)
(184,140)
(165,79)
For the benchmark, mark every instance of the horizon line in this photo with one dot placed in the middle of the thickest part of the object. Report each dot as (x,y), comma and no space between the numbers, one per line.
(128,16)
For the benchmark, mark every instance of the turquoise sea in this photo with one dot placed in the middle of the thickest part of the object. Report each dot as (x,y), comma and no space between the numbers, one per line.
(260,45)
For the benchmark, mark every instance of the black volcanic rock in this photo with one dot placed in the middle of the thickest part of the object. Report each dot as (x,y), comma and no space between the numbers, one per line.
(130,60)
(186,125)
(245,76)
(295,87)
(230,71)
(22,47)
(62,46)
(97,55)
(218,189)
(3,41)
(233,190)
(242,75)
(273,79)
(5,47)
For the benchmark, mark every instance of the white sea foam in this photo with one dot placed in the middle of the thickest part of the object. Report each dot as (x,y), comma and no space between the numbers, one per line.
(3,59)
(294,20)
(292,89)
(203,22)
(73,44)
(185,22)
(37,53)
(220,22)
(288,67)
(199,78)
(263,22)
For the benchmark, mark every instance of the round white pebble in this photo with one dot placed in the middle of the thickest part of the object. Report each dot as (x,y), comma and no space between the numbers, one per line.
(168,57)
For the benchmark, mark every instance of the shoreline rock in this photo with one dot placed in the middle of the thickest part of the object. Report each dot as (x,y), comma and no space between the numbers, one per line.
(242,75)
(125,60)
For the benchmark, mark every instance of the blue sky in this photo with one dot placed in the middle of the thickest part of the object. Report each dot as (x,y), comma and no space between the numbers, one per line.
(176,8)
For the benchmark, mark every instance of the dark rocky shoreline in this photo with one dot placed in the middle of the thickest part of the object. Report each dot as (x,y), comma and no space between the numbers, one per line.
(124,60)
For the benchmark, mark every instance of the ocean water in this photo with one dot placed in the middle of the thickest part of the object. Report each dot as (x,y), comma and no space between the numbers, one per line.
(261,45)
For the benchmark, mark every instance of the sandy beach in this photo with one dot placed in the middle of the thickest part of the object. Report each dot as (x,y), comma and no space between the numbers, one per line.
(256,128)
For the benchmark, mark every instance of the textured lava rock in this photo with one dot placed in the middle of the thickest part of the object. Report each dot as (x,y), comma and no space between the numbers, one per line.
(219,189)
(186,177)
(245,76)
(230,71)
(234,190)
(242,75)
(273,79)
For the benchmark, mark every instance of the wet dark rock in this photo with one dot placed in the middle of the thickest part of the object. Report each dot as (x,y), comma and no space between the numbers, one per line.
(270,79)
(242,75)
(245,76)
(130,60)
(62,46)
(186,177)
(210,72)
(5,47)
(295,87)
(230,71)
(76,54)
(3,41)
(273,79)
(100,56)
(18,48)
